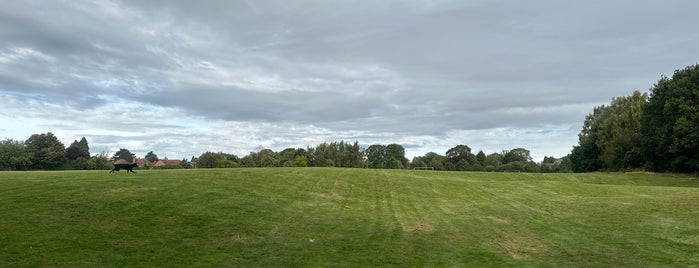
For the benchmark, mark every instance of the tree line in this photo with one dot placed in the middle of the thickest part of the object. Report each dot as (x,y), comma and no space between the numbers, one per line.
(45,152)
(657,132)
(391,156)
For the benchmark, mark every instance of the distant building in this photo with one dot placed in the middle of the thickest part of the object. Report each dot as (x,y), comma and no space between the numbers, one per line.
(166,162)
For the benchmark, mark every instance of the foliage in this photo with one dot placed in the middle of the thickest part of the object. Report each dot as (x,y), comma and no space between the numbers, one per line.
(516,155)
(376,156)
(611,136)
(151,157)
(619,137)
(214,160)
(78,150)
(99,162)
(460,156)
(123,154)
(670,126)
(46,151)
(14,155)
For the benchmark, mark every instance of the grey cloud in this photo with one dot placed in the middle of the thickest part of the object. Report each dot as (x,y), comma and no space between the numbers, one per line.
(374,71)
(237,104)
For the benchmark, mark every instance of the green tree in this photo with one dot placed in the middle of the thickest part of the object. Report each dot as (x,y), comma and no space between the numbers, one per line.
(123,154)
(14,155)
(207,160)
(376,156)
(492,161)
(480,158)
(670,123)
(84,147)
(301,161)
(217,160)
(46,151)
(395,156)
(287,157)
(151,157)
(267,158)
(460,153)
(99,162)
(619,132)
(516,155)
(431,159)
(585,156)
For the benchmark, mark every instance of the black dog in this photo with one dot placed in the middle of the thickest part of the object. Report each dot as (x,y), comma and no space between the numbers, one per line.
(128,167)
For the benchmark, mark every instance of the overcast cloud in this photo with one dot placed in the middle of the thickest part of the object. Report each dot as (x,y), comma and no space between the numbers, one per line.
(183,77)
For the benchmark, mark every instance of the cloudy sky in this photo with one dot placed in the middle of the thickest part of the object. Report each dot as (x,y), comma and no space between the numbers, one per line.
(183,77)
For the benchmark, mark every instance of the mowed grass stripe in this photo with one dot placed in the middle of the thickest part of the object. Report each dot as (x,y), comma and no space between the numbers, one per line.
(346,217)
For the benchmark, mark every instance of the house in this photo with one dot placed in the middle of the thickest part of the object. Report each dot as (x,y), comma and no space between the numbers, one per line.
(166,162)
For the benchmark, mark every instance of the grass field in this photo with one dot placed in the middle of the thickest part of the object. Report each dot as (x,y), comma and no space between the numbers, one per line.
(300,217)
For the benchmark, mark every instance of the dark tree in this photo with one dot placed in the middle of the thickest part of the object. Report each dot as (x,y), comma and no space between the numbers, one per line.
(516,155)
(151,157)
(14,155)
(460,153)
(123,154)
(376,156)
(480,158)
(395,156)
(670,123)
(78,150)
(46,151)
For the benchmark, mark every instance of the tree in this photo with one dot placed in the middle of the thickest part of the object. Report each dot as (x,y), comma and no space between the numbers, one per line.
(46,151)
(267,158)
(14,155)
(287,157)
(516,155)
(123,154)
(460,153)
(670,123)
(151,157)
(395,156)
(480,158)
(207,160)
(301,161)
(99,162)
(492,161)
(585,155)
(217,160)
(431,159)
(376,156)
(619,132)
(84,147)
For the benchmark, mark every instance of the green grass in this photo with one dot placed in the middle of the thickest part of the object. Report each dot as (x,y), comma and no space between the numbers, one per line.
(287,217)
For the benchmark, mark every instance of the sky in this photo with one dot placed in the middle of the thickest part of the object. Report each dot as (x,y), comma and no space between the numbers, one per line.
(180,78)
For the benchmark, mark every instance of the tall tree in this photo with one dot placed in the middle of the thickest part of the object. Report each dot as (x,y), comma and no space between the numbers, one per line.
(78,149)
(123,154)
(395,156)
(14,155)
(619,132)
(517,155)
(480,158)
(376,156)
(585,155)
(670,123)
(46,151)
(460,153)
(151,157)
(84,146)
